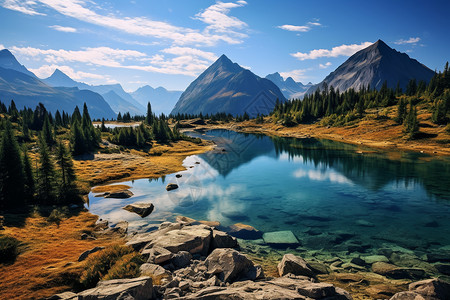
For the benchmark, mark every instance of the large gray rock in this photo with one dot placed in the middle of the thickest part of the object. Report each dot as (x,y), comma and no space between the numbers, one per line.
(431,288)
(244,231)
(279,288)
(280,238)
(227,264)
(140,208)
(221,239)
(64,296)
(137,288)
(157,255)
(181,259)
(148,269)
(140,240)
(295,265)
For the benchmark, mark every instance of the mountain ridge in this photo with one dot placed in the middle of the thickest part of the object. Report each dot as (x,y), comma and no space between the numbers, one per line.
(289,87)
(227,87)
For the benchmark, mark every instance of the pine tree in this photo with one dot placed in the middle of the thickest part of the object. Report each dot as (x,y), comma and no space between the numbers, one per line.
(46,179)
(149,117)
(77,139)
(67,187)
(11,170)
(439,115)
(29,187)
(47,131)
(76,116)
(401,111)
(412,124)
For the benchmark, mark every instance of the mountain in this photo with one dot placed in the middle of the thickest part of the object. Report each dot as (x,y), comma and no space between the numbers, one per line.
(119,100)
(227,87)
(28,91)
(162,100)
(118,104)
(374,65)
(8,61)
(289,87)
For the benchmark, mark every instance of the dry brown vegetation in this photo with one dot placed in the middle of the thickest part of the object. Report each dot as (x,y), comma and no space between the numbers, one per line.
(48,262)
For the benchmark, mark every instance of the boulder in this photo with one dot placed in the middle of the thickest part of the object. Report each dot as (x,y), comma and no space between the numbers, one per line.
(280,238)
(120,228)
(215,224)
(375,258)
(185,220)
(140,208)
(157,255)
(221,239)
(123,194)
(246,232)
(140,240)
(318,268)
(295,265)
(137,288)
(101,225)
(431,288)
(227,264)
(86,253)
(181,259)
(279,288)
(64,296)
(408,296)
(148,269)
(171,186)
(194,239)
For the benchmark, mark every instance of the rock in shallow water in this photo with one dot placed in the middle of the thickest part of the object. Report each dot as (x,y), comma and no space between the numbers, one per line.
(280,238)
(244,231)
(171,186)
(118,194)
(294,265)
(140,208)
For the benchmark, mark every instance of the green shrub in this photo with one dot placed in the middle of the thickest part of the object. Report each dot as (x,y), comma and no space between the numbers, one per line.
(8,248)
(125,267)
(99,265)
(57,215)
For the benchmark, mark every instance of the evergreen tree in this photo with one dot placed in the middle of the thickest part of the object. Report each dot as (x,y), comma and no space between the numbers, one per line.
(67,188)
(25,129)
(411,124)
(29,187)
(439,115)
(46,177)
(47,132)
(401,111)
(77,138)
(149,117)
(11,170)
(103,127)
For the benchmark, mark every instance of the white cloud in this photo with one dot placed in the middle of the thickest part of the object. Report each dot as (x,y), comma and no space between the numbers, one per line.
(324,66)
(63,29)
(220,26)
(297,75)
(318,175)
(25,7)
(411,40)
(303,28)
(343,50)
(187,61)
(47,70)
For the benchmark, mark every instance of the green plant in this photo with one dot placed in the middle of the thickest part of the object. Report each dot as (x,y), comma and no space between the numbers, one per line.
(8,248)
(99,264)
(57,215)
(125,267)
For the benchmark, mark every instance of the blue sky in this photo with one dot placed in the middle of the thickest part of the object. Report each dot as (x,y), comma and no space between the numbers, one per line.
(168,43)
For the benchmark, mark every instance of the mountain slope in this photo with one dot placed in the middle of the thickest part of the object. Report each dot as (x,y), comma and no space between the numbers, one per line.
(374,65)
(227,87)
(121,101)
(162,100)
(28,91)
(8,61)
(289,87)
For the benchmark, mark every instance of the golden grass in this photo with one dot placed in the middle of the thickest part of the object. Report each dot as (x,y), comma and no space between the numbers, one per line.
(110,188)
(48,261)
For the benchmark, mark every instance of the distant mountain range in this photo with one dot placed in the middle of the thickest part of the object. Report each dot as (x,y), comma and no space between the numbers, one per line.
(289,87)
(22,86)
(162,100)
(227,87)
(374,65)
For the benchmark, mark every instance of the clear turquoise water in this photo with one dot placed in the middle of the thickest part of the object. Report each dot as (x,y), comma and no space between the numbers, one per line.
(329,194)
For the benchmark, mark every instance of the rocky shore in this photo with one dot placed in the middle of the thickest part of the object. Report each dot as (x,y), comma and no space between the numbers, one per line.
(191,260)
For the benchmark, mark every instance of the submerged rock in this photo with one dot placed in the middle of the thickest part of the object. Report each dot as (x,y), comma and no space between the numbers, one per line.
(430,289)
(295,265)
(140,208)
(244,231)
(279,238)
(395,272)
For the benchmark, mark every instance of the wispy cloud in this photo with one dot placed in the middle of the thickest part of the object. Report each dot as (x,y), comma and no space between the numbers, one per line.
(343,50)
(326,65)
(25,7)
(220,25)
(63,29)
(297,75)
(181,60)
(302,28)
(411,40)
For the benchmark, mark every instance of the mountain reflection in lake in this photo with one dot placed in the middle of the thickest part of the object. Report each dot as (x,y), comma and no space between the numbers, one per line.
(329,194)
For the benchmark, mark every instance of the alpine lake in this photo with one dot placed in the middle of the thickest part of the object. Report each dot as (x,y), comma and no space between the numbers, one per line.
(319,199)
